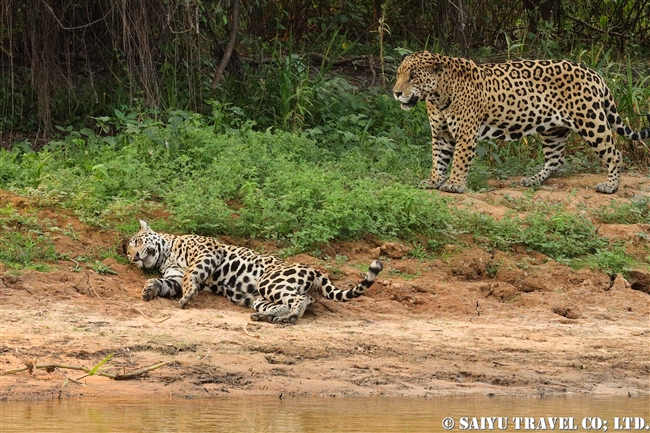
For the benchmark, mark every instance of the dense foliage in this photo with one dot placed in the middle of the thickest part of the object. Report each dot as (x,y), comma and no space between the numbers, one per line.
(62,61)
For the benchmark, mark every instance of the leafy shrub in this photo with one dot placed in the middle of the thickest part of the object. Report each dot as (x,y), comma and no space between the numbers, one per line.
(637,211)
(561,235)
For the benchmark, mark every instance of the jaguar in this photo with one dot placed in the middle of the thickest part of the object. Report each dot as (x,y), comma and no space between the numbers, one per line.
(467,102)
(278,291)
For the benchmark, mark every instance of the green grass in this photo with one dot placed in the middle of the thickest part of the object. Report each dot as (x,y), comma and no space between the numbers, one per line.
(558,234)
(613,261)
(23,241)
(637,211)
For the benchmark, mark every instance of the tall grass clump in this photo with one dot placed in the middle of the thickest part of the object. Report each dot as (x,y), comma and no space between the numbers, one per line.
(614,260)
(561,235)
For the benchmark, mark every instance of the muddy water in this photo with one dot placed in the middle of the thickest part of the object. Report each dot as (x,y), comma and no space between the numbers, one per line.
(265,414)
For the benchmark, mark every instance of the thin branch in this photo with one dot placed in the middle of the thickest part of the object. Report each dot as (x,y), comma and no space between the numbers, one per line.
(49,8)
(157,322)
(250,334)
(605,32)
(230,47)
(124,376)
(140,372)
(32,367)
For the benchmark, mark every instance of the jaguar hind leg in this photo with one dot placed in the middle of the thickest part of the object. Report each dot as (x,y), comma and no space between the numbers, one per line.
(300,305)
(267,311)
(603,145)
(292,309)
(554,144)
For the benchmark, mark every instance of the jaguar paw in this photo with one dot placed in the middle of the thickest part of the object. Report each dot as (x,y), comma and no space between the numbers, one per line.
(607,187)
(150,289)
(452,187)
(430,184)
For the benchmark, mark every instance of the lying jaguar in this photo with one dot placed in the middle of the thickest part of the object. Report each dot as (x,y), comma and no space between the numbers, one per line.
(467,102)
(275,289)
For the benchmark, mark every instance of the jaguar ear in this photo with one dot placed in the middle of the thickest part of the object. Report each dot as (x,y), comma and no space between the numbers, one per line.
(436,68)
(143,226)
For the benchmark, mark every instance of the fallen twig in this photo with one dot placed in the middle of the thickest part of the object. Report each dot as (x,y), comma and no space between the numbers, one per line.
(75,381)
(95,291)
(157,322)
(31,367)
(250,334)
(124,376)
(326,306)
(140,372)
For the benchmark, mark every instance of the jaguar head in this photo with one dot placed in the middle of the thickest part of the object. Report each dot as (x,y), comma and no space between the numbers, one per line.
(144,248)
(417,78)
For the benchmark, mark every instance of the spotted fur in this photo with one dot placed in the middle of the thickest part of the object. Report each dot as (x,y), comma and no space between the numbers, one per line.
(278,291)
(467,102)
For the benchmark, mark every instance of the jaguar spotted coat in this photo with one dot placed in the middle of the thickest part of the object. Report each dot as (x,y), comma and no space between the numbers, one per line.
(277,290)
(467,102)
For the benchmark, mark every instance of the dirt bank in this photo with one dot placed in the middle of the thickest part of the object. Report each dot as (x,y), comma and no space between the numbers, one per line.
(467,322)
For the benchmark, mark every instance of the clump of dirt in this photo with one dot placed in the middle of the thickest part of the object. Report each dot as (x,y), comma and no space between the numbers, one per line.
(470,321)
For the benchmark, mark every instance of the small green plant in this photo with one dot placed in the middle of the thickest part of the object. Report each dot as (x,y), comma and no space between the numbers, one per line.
(561,235)
(102,268)
(418,251)
(493,267)
(614,260)
(23,240)
(637,211)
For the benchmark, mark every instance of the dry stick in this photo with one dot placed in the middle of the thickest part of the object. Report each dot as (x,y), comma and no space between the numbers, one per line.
(140,372)
(124,376)
(230,47)
(327,308)
(250,334)
(605,32)
(53,366)
(150,319)
(95,292)
(75,380)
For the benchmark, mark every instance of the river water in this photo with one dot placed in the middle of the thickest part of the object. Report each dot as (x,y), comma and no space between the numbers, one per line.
(313,414)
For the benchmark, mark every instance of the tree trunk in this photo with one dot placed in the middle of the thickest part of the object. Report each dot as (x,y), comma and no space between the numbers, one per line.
(230,47)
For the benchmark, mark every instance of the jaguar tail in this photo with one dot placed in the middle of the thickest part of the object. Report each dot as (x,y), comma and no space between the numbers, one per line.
(331,292)
(617,123)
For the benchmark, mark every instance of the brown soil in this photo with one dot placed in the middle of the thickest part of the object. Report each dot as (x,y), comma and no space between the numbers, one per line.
(468,322)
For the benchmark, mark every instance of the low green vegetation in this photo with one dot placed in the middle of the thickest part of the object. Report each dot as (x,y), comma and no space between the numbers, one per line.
(215,178)
(23,240)
(637,211)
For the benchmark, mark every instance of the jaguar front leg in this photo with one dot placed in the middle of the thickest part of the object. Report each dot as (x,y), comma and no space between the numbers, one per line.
(194,279)
(442,148)
(161,287)
(465,132)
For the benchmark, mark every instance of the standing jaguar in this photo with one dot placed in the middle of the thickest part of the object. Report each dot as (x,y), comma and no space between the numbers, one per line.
(278,291)
(467,102)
